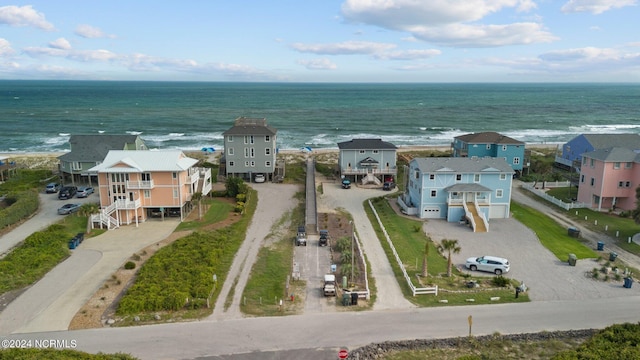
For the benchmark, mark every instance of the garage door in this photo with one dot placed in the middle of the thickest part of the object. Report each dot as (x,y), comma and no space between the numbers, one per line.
(498,212)
(431,213)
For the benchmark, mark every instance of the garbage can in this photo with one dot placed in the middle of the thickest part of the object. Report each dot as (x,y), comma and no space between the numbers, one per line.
(600,246)
(572,259)
(346,299)
(573,232)
(612,256)
(627,282)
(354,298)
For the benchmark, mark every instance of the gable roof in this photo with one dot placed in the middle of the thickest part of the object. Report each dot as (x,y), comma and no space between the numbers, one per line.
(614,154)
(603,141)
(489,137)
(366,144)
(130,161)
(463,165)
(94,148)
(250,126)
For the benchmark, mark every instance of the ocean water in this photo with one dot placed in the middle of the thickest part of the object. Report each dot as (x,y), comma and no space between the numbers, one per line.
(39,116)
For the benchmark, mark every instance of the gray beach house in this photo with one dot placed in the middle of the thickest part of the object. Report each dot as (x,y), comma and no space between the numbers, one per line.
(88,151)
(367,160)
(249,149)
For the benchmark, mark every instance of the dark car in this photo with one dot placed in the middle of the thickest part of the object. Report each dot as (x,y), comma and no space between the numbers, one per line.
(67,192)
(173,212)
(346,184)
(324,238)
(388,185)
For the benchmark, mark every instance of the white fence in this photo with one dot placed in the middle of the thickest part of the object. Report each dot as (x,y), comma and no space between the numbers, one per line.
(415,290)
(551,199)
(366,294)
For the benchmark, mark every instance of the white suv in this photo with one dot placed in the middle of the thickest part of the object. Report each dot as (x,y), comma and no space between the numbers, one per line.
(496,265)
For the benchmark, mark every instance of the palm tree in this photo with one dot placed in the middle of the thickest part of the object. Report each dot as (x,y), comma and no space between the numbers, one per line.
(87,210)
(424,259)
(450,246)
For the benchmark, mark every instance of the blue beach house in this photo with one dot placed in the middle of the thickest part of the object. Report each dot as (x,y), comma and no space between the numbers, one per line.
(469,190)
(571,155)
(491,144)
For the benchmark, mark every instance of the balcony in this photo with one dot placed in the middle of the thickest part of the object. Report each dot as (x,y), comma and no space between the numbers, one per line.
(140,185)
(386,171)
(127,204)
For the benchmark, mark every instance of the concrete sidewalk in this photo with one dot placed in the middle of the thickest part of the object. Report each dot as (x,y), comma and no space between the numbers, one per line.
(51,303)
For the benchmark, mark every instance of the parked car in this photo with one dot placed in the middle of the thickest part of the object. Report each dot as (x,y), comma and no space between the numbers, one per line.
(301,239)
(388,185)
(84,191)
(173,212)
(346,184)
(68,209)
(324,238)
(496,265)
(67,192)
(259,178)
(52,188)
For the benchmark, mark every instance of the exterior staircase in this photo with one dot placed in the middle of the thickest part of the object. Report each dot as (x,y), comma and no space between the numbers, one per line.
(370,178)
(477,219)
(105,218)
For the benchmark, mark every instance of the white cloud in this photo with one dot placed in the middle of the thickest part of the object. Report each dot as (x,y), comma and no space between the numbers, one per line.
(60,43)
(24,16)
(90,32)
(318,64)
(5,48)
(462,35)
(595,6)
(447,22)
(582,54)
(343,48)
(409,54)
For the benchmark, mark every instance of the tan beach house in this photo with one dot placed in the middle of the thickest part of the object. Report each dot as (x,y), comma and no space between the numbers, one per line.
(135,186)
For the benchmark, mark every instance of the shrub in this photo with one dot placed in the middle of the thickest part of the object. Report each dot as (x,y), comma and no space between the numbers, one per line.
(500,281)
(130,265)
(23,204)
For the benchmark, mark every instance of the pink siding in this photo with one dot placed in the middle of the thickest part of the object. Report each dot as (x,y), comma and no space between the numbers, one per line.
(607,187)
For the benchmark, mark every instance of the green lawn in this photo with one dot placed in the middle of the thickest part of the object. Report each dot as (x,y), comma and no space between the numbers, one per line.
(552,235)
(218,211)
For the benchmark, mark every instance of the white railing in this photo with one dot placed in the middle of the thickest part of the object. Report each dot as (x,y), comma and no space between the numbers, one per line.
(127,204)
(195,175)
(469,215)
(414,290)
(138,185)
(349,171)
(553,200)
(481,214)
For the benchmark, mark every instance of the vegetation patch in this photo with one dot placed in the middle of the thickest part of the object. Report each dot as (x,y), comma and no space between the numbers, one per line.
(54,354)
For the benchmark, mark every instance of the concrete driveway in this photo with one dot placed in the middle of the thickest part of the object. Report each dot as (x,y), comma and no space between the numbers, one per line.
(546,277)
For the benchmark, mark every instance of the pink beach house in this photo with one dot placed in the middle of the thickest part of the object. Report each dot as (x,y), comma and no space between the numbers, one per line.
(135,186)
(609,178)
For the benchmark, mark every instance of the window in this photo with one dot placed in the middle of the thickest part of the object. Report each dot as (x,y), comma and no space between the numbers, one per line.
(458,177)
(432,176)
(147,194)
(620,183)
(246,152)
(145,176)
(361,151)
(503,176)
(593,181)
(498,193)
(246,139)
(232,163)
(628,165)
(253,152)
(375,151)
(582,178)
(230,151)
(504,147)
(627,184)
(230,138)
(251,139)
(253,164)
(434,193)
(488,146)
(175,193)
(267,138)
(591,162)
(516,160)
(476,177)
(246,164)
(267,151)
(174,175)
(584,161)
(267,163)
(76,166)
(616,165)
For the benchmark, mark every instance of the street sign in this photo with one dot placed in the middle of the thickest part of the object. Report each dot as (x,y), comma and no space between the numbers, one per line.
(343,354)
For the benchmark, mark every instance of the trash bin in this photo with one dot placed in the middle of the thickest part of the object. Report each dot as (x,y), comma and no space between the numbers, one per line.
(73,243)
(572,259)
(354,298)
(573,232)
(346,299)
(600,246)
(627,282)
(612,256)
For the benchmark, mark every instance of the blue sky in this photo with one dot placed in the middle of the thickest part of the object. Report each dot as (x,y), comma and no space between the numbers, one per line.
(322,40)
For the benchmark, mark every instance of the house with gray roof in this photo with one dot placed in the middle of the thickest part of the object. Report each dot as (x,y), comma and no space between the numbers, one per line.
(491,144)
(570,157)
(88,151)
(249,149)
(468,190)
(367,160)
(609,178)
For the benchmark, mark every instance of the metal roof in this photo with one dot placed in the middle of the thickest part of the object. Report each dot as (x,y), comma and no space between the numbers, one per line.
(614,154)
(489,137)
(131,161)
(603,141)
